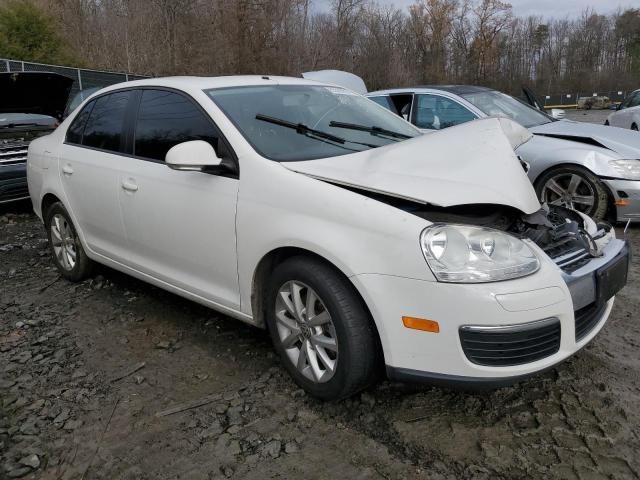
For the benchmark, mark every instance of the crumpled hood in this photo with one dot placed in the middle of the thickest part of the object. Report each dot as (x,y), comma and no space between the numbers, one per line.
(472,163)
(621,141)
(42,93)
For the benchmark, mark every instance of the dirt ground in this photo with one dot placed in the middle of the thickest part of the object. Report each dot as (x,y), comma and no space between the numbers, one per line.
(86,369)
(590,116)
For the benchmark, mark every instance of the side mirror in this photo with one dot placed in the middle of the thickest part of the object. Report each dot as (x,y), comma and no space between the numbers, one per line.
(195,155)
(558,113)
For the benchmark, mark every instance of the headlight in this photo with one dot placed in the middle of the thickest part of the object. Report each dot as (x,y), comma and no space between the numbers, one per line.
(629,169)
(466,254)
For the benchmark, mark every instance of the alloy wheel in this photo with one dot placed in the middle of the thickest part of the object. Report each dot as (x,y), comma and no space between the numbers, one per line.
(569,190)
(63,242)
(306,331)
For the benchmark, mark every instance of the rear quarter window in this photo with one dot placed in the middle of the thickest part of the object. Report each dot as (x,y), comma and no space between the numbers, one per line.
(76,129)
(105,127)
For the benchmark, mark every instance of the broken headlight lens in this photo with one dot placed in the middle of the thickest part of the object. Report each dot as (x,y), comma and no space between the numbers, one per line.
(627,169)
(468,254)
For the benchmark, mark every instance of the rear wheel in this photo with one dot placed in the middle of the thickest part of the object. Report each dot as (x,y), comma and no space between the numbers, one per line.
(634,127)
(574,187)
(68,254)
(606,122)
(321,329)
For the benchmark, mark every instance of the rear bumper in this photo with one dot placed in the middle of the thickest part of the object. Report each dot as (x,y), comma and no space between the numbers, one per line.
(13,183)
(626,194)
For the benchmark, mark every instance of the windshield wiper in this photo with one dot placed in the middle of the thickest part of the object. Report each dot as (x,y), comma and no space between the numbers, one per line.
(373,130)
(303,129)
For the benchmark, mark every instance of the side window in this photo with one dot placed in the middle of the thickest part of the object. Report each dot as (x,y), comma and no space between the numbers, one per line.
(76,129)
(166,119)
(635,101)
(402,102)
(105,127)
(436,112)
(385,102)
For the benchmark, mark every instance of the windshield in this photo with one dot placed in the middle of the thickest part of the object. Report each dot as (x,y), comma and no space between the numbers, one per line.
(497,104)
(303,122)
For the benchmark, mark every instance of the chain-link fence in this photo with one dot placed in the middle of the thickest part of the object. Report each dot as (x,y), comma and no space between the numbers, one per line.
(86,81)
(569,100)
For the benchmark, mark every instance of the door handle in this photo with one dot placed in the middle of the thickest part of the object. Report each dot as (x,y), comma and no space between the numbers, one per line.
(132,187)
(67,170)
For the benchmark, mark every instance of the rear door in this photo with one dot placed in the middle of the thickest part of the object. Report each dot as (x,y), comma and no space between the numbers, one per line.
(90,163)
(625,116)
(180,225)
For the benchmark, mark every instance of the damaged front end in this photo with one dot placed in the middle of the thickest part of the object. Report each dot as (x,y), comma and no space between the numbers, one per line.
(570,239)
(593,262)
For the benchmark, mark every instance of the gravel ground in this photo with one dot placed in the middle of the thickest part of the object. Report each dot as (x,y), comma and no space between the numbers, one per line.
(590,116)
(89,373)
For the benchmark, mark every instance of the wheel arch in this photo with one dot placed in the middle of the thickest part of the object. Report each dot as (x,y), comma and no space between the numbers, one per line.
(277,256)
(47,200)
(611,195)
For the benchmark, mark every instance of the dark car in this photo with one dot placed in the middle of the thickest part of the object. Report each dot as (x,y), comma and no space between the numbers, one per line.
(31,105)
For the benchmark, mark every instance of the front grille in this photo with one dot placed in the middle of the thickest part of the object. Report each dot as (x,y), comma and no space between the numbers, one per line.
(511,345)
(13,152)
(587,318)
(569,255)
(14,189)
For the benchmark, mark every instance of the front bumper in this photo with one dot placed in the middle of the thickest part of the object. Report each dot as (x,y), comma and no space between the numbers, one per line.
(13,182)
(440,358)
(626,195)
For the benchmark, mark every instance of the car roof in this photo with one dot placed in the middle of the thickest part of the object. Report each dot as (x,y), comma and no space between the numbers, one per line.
(191,83)
(455,89)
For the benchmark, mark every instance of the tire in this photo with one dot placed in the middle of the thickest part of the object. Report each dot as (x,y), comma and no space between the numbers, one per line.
(357,353)
(64,243)
(634,127)
(606,123)
(589,186)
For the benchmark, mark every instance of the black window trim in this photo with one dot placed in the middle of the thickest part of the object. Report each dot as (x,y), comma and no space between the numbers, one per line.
(131,116)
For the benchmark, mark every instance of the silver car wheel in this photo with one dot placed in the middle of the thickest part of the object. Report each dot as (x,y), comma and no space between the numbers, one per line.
(63,242)
(569,190)
(306,331)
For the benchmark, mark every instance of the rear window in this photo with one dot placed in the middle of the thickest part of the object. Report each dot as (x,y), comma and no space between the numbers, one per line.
(105,126)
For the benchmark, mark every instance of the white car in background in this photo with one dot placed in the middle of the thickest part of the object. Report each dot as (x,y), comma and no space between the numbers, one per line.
(307,209)
(628,113)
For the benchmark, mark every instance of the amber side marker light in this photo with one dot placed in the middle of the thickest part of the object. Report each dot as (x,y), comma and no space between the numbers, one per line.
(623,202)
(421,324)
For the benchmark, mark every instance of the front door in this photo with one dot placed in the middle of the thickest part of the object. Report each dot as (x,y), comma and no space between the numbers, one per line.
(180,225)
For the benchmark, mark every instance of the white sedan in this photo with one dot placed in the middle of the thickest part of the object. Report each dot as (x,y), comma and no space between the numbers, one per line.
(628,113)
(310,210)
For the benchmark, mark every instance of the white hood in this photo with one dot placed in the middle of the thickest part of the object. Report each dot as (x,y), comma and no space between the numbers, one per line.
(472,163)
(625,143)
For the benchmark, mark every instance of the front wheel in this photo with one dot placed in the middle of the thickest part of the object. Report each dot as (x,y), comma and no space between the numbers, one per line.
(68,254)
(321,329)
(576,188)
(634,127)
(606,123)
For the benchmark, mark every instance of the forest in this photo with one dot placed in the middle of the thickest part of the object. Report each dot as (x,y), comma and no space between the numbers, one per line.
(432,41)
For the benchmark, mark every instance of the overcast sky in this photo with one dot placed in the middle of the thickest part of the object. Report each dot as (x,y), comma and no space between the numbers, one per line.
(546,8)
